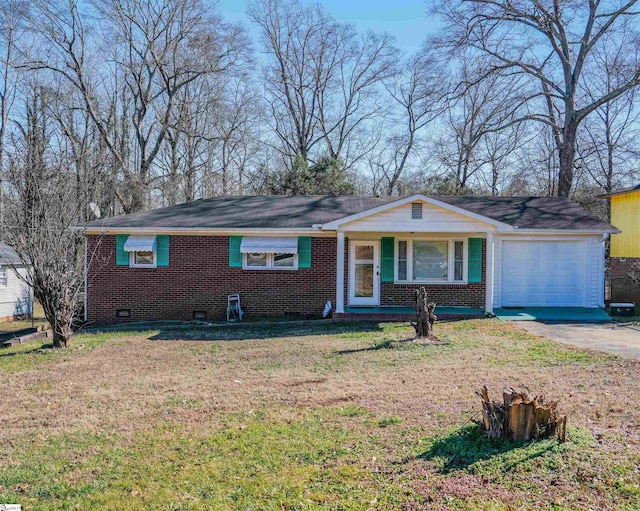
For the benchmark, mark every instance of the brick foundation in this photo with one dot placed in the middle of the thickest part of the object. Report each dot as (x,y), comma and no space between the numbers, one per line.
(622,288)
(199,278)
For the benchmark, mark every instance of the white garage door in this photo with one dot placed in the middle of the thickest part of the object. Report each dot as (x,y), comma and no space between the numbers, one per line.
(543,273)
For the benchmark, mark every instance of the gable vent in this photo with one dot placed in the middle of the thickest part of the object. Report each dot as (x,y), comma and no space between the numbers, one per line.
(416,210)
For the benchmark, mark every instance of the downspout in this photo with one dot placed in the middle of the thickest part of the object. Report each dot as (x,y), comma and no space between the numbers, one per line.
(603,241)
(489,273)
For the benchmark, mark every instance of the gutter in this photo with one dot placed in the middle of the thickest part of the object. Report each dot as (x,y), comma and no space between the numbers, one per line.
(191,231)
(573,232)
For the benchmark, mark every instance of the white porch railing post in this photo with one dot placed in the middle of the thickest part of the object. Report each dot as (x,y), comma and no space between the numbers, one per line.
(340,273)
(488,305)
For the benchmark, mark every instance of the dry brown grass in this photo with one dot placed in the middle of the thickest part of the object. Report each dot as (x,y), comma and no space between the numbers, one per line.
(386,395)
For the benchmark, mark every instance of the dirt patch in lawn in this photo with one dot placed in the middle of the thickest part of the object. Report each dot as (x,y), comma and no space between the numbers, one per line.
(324,416)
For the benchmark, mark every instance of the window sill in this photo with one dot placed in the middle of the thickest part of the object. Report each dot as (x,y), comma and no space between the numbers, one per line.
(254,268)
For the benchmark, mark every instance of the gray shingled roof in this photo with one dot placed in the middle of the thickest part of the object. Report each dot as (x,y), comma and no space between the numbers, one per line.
(280,212)
(8,255)
(532,212)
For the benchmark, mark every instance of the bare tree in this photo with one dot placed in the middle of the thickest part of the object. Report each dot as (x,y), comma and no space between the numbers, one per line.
(13,15)
(368,61)
(606,150)
(237,133)
(321,80)
(301,44)
(477,108)
(157,49)
(607,140)
(41,221)
(185,157)
(552,44)
(539,166)
(417,96)
(498,154)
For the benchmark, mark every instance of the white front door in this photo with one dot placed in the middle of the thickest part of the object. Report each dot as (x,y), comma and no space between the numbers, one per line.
(364,273)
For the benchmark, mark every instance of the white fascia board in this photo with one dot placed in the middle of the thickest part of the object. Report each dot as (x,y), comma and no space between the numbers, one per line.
(335,225)
(196,231)
(387,230)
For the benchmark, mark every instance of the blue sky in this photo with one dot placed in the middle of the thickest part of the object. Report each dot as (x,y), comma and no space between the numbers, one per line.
(404,19)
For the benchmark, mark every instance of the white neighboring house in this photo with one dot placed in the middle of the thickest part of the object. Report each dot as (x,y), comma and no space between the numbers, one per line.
(16,297)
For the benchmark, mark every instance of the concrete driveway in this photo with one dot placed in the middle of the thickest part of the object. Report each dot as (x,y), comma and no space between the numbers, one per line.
(615,338)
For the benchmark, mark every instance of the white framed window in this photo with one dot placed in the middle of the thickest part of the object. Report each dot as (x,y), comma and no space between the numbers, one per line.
(143,259)
(431,260)
(403,260)
(269,261)
(256,260)
(285,261)
(458,261)
(4,276)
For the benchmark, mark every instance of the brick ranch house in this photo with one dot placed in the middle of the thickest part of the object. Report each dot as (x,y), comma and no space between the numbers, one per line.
(291,255)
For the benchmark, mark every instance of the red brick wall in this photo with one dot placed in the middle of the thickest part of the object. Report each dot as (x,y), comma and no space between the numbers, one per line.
(622,288)
(199,278)
(464,295)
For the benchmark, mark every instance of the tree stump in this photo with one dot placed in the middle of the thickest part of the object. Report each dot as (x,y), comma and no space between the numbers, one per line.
(520,417)
(425,317)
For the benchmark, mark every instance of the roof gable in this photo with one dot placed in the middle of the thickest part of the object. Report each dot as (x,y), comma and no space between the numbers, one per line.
(396,216)
(8,255)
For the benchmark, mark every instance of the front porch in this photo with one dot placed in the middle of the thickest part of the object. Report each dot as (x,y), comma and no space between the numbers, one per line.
(374,274)
(553,314)
(384,254)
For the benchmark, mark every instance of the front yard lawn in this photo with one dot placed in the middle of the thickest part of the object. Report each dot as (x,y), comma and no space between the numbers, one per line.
(318,416)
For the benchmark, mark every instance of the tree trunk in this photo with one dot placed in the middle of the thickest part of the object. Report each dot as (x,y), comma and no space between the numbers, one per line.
(60,340)
(520,417)
(425,318)
(60,320)
(137,196)
(567,158)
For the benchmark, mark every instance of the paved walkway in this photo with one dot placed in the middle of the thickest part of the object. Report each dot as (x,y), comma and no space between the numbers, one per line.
(614,338)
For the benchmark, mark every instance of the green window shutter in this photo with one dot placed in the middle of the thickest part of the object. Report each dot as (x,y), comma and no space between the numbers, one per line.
(162,248)
(475,260)
(388,265)
(235,256)
(304,251)
(122,256)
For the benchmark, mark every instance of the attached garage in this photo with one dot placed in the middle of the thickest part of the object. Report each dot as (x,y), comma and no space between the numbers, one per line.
(544,273)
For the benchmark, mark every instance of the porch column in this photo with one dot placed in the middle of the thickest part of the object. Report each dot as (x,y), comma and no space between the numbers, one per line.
(340,274)
(488,305)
